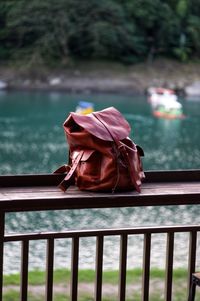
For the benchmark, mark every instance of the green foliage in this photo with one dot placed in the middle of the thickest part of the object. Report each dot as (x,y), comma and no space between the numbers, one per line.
(55,32)
(182,8)
(38,29)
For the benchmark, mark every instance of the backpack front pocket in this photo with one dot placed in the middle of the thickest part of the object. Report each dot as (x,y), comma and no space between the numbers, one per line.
(88,171)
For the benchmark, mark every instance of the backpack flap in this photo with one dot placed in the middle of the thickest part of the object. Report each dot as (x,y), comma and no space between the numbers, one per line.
(111,117)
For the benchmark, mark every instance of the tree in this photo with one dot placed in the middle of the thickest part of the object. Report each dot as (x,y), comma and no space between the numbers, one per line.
(4,33)
(102,31)
(39,29)
(156,23)
(52,31)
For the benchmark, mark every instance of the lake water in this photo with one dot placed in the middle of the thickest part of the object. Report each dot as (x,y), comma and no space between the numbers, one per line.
(32,141)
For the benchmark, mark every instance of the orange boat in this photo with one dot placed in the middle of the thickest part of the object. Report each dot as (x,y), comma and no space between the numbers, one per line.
(168,115)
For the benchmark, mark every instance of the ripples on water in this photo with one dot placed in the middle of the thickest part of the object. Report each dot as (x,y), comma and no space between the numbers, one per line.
(32,138)
(32,141)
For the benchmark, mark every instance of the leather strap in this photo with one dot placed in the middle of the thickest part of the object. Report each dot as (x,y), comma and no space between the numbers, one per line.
(122,148)
(62,169)
(64,185)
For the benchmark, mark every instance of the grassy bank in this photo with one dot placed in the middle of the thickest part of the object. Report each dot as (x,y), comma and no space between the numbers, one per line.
(86,285)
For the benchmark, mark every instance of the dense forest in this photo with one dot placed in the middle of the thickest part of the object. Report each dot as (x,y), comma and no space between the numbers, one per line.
(128,31)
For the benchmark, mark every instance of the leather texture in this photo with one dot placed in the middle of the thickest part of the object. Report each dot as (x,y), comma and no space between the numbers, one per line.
(101,155)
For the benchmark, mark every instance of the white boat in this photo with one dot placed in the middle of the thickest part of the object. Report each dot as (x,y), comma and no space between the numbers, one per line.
(164,103)
(161,96)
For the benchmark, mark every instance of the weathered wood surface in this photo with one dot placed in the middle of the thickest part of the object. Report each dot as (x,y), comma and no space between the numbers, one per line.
(40,192)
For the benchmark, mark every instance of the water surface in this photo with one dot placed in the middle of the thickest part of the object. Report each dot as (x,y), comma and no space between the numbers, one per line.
(32,138)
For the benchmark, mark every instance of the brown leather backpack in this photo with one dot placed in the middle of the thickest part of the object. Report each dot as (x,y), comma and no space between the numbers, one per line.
(101,156)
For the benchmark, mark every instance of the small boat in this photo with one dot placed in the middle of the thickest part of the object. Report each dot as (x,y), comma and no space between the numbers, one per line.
(159,96)
(85,107)
(165,104)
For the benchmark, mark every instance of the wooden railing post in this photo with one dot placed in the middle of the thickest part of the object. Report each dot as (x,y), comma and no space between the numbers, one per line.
(122,267)
(191,257)
(146,266)
(74,269)
(49,270)
(24,270)
(2,228)
(169,266)
(99,267)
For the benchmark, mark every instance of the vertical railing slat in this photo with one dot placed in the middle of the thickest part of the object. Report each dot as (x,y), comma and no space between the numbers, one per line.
(74,268)
(146,266)
(99,268)
(2,227)
(24,270)
(49,269)
(191,257)
(122,267)
(169,266)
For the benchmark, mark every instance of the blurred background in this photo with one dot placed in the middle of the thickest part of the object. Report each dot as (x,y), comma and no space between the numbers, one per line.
(140,56)
(111,53)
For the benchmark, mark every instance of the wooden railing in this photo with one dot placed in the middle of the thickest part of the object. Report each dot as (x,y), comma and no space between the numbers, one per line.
(25,193)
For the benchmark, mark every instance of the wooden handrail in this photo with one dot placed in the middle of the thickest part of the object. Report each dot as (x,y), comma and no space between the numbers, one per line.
(31,193)
(40,192)
(104,232)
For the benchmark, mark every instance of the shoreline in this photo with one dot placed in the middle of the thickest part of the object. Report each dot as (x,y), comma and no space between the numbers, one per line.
(94,77)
